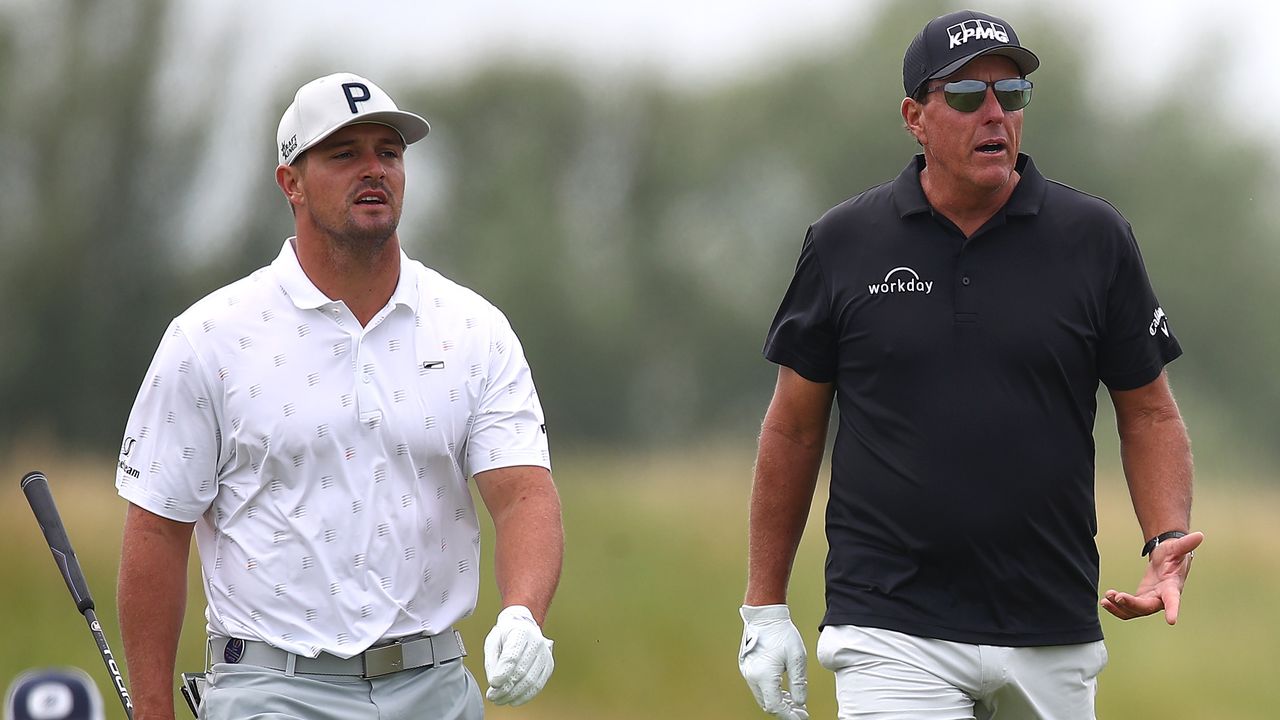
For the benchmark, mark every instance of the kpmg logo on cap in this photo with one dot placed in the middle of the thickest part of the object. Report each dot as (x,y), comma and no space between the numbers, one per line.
(962,33)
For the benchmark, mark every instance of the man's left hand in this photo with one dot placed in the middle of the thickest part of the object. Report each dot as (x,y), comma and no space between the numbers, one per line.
(517,658)
(1161,586)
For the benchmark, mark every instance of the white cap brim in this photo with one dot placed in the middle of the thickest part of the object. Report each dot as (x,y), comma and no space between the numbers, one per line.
(412,128)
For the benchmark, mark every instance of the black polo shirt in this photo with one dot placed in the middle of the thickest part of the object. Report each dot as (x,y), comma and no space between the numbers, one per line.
(966,374)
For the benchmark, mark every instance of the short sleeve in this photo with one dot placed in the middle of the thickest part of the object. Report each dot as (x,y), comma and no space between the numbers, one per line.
(509,428)
(170,454)
(1138,341)
(802,336)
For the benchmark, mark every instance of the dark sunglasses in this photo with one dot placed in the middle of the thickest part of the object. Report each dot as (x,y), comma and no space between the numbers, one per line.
(968,95)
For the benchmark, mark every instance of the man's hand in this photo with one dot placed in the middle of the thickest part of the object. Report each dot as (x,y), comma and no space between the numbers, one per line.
(517,658)
(1161,585)
(771,645)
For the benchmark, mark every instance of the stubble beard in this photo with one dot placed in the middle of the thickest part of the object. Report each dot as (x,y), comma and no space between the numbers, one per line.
(354,240)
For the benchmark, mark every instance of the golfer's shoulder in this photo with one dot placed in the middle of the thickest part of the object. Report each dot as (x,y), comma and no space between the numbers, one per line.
(872,204)
(245,305)
(440,295)
(845,227)
(464,315)
(1081,205)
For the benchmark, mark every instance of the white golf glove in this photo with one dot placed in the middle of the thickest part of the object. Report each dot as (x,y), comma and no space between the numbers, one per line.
(517,658)
(771,645)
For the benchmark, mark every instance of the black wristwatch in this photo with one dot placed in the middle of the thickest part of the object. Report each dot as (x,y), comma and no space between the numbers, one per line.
(1153,542)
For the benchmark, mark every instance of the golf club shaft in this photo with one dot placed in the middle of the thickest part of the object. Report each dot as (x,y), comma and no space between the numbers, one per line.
(36,487)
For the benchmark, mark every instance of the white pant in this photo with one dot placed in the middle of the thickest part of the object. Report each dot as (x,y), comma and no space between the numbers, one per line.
(889,675)
(249,692)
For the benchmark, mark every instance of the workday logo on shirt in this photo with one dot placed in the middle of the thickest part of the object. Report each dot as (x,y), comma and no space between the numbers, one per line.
(901,280)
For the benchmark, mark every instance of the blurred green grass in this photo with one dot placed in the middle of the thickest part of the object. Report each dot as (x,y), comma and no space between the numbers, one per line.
(645,621)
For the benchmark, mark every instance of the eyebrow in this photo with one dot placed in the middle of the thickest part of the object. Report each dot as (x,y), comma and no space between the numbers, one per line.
(391,138)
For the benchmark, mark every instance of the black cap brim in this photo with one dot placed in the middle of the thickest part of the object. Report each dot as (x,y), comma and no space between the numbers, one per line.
(1026,60)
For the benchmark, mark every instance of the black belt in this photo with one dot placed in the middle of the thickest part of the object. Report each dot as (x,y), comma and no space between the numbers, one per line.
(418,652)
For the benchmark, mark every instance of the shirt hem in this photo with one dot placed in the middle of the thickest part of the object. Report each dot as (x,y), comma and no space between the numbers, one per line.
(805,369)
(157,506)
(1075,636)
(511,459)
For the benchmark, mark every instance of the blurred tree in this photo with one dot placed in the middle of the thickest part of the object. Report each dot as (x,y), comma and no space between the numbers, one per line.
(94,169)
(638,234)
(641,235)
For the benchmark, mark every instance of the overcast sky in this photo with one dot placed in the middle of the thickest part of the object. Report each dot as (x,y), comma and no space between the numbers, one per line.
(1144,42)
(694,41)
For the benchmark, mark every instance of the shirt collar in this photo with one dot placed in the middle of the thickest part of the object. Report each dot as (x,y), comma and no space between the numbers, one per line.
(406,292)
(306,296)
(1027,197)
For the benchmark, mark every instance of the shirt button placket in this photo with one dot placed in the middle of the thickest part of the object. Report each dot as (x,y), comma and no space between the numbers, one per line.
(965,307)
(366,400)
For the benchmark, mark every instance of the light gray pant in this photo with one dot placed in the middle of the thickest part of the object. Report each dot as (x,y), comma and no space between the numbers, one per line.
(250,692)
(888,675)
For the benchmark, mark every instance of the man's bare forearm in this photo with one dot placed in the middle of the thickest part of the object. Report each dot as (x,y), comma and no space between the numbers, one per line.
(529,535)
(1155,451)
(152,597)
(782,492)
(792,439)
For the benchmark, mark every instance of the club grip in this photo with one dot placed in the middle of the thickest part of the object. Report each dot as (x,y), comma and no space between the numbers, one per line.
(36,487)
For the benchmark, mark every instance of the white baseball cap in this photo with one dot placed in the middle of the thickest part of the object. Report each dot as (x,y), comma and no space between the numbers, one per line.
(325,105)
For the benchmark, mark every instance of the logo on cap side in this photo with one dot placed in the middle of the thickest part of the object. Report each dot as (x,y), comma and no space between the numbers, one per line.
(962,33)
(287,148)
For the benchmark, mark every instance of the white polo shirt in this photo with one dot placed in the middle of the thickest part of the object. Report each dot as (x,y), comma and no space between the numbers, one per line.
(325,464)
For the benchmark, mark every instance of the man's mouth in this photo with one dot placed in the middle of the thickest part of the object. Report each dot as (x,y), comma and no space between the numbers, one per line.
(995,147)
(371,197)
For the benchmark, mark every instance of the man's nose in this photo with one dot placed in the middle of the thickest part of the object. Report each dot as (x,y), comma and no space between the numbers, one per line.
(990,108)
(373,166)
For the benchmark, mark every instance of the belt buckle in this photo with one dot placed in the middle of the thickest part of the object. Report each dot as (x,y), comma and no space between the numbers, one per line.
(383,660)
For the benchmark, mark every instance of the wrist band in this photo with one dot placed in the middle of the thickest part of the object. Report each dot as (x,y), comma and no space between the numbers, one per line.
(1153,542)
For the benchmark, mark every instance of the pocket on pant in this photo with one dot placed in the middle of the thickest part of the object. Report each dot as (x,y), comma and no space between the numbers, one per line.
(1103,658)
(475,697)
(829,647)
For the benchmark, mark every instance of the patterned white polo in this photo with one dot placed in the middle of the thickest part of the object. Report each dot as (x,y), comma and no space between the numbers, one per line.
(324,463)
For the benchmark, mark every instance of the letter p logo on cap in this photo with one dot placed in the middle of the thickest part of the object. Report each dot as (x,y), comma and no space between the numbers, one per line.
(348,89)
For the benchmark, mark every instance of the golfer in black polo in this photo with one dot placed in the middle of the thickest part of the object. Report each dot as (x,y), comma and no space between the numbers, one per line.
(961,317)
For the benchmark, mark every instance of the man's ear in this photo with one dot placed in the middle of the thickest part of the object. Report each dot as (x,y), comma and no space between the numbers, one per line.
(289,178)
(913,118)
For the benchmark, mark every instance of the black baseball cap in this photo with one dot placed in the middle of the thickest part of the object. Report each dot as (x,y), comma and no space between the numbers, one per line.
(65,693)
(948,42)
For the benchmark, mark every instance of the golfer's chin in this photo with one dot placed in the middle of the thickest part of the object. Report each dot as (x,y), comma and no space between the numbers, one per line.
(990,176)
(371,232)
